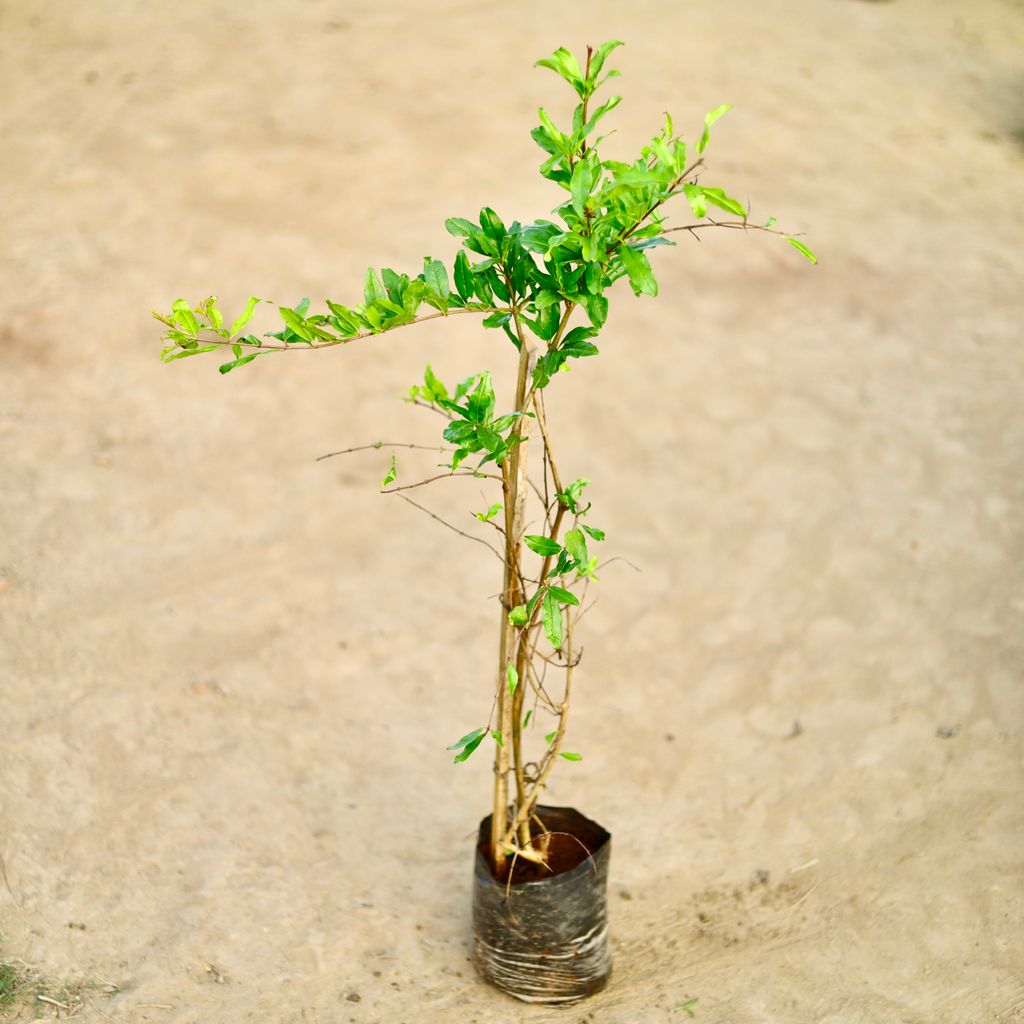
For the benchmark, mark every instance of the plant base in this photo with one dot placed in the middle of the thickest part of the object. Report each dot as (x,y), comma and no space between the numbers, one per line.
(543,936)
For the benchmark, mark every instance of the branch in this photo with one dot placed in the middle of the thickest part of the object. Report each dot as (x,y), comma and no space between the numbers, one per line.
(671,192)
(440,476)
(385,444)
(454,529)
(523,813)
(320,343)
(538,405)
(740,225)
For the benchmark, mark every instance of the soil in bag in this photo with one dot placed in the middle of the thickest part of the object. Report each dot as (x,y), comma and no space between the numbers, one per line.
(543,936)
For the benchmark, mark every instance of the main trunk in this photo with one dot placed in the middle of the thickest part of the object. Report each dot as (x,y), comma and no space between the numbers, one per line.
(514,485)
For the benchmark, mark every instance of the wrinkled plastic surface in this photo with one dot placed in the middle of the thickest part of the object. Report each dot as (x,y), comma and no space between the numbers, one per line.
(545,941)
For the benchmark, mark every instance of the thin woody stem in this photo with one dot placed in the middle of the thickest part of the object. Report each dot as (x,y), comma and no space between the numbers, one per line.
(538,406)
(324,343)
(514,491)
(736,225)
(454,529)
(440,476)
(524,811)
(385,444)
(521,660)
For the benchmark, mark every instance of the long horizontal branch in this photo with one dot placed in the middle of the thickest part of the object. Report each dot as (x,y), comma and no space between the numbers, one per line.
(385,444)
(736,225)
(321,343)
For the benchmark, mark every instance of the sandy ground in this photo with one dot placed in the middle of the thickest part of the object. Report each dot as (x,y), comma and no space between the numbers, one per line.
(229,672)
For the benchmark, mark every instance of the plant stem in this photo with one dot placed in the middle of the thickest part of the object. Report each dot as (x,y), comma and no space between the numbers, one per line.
(525,809)
(323,343)
(514,485)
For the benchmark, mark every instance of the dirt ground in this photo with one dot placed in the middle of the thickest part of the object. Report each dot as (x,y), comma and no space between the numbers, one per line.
(229,672)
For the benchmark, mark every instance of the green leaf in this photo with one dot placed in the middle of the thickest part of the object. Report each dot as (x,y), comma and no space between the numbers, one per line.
(228,367)
(709,120)
(576,545)
(486,517)
(597,309)
(492,225)
(563,63)
(570,497)
(436,390)
(296,322)
(599,56)
(550,736)
(800,247)
(518,615)
(349,321)
(769,222)
(575,344)
(570,756)
(373,288)
(688,1006)
(183,314)
(551,617)
(250,308)
(563,596)
(581,184)
(695,197)
(542,545)
(459,226)
(392,473)
(594,532)
(526,720)
(496,320)
(468,743)
(467,751)
(436,276)
(168,355)
(553,130)
(724,202)
(468,738)
(463,276)
(638,267)
(512,676)
(599,113)
(212,313)
(497,737)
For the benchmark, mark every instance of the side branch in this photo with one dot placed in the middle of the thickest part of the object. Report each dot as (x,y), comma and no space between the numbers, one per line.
(385,444)
(736,225)
(454,529)
(324,343)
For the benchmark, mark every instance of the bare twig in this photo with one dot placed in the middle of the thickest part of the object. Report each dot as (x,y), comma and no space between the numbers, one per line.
(440,476)
(454,529)
(440,449)
(736,225)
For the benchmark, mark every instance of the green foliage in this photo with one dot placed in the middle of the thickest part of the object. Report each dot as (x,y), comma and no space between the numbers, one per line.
(486,517)
(525,281)
(10,984)
(800,247)
(468,744)
(519,277)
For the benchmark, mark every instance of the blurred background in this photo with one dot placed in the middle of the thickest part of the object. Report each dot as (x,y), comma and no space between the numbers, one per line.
(228,672)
